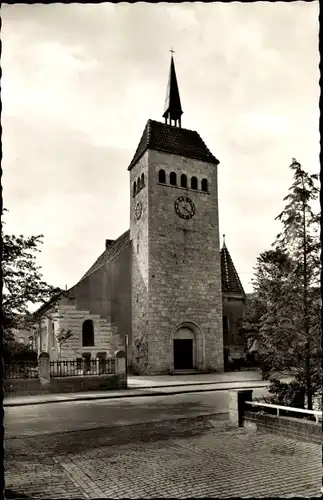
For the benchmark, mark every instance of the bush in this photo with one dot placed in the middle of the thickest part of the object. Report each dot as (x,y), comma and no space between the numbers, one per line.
(286,394)
(15,353)
(132,370)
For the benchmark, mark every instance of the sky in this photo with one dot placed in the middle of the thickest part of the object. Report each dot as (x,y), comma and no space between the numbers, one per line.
(79,83)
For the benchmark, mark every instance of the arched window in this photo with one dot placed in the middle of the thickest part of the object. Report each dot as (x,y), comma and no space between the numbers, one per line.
(183,181)
(134,188)
(138,184)
(173,179)
(88,333)
(194,183)
(142,180)
(204,185)
(162,176)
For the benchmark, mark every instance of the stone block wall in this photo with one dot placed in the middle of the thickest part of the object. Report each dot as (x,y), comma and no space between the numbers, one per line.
(233,308)
(184,261)
(140,266)
(68,318)
(33,387)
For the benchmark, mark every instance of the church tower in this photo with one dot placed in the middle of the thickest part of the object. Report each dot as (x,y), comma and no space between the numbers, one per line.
(174,230)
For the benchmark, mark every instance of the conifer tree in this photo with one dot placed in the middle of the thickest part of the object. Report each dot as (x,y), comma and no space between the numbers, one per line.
(287,322)
(300,238)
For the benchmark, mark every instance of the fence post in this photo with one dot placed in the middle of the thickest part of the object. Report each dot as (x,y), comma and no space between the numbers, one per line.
(237,398)
(43,368)
(120,357)
(126,359)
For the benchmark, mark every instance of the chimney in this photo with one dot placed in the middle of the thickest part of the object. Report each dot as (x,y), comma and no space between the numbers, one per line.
(108,243)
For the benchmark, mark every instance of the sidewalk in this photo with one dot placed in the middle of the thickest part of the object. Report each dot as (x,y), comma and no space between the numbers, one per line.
(142,381)
(135,392)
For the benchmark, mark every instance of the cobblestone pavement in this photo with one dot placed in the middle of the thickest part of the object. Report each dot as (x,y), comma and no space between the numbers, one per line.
(199,458)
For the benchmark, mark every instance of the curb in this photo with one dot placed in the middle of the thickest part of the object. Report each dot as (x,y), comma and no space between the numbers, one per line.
(198,383)
(118,396)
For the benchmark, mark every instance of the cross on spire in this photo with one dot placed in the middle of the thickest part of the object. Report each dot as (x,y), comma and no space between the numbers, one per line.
(172,51)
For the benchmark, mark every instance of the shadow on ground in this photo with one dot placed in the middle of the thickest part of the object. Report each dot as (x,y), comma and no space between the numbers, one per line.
(12,495)
(30,448)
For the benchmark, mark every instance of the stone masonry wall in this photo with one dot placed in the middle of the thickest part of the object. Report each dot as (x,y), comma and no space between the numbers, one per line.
(31,387)
(140,264)
(68,318)
(184,265)
(233,308)
(176,273)
(295,428)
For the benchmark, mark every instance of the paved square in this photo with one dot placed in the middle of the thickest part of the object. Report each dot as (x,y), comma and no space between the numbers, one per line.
(219,462)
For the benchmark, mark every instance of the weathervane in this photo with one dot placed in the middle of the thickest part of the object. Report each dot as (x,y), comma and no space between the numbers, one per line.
(172,51)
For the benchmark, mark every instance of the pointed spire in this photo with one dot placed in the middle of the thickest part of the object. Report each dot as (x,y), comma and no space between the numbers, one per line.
(173,108)
(230,279)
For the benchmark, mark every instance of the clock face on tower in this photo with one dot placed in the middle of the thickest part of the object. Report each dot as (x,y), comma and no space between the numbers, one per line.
(184,207)
(138,210)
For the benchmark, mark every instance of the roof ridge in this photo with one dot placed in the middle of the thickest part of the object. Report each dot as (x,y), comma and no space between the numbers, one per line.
(108,253)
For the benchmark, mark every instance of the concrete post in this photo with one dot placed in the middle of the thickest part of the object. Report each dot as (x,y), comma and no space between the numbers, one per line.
(237,398)
(43,368)
(120,357)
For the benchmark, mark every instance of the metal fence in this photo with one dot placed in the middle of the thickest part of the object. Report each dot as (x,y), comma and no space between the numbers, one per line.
(75,367)
(23,369)
(287,409)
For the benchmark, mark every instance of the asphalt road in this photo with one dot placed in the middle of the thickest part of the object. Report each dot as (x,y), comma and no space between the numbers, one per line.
(60,417)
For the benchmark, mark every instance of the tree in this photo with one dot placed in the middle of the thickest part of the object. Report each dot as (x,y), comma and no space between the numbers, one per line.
(250,324)
(23,282)
(300,237)
(286,283)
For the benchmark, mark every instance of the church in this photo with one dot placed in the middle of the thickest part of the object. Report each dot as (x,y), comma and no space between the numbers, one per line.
(164,285)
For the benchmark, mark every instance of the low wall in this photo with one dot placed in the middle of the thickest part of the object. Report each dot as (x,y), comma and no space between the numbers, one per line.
(305,430)
(56,385)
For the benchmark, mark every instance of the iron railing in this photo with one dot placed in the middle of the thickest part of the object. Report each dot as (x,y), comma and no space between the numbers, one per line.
(23,369)
(75,367)
(317,414)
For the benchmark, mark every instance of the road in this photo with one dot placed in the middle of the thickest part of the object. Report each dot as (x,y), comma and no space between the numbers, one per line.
(50,418)
(202,457)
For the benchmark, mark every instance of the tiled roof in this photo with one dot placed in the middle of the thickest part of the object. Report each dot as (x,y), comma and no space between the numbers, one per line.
(109,253)
(174,140)
(230,279)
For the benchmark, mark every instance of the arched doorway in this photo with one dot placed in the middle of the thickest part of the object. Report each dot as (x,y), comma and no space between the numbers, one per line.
(187,348)
(183,349)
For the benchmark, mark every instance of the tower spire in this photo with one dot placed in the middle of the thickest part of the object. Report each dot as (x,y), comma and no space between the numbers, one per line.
(173,108)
